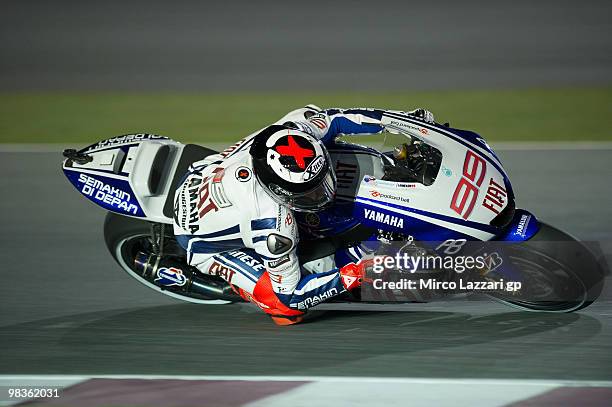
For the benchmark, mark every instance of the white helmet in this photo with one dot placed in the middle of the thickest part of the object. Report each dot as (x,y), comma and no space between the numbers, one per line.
(294,167)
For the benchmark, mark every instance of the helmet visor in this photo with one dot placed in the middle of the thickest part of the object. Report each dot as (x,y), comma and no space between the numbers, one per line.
(309,201)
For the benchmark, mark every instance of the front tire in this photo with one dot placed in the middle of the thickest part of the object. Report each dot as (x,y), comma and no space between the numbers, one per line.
(568,274)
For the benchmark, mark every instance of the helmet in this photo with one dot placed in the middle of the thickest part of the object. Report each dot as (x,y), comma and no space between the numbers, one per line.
(294,168)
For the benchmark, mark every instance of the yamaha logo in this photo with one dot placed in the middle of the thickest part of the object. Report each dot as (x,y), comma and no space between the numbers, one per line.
(380,217)
(312,219)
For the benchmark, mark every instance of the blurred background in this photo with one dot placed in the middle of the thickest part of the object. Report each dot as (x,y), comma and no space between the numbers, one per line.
(78,71)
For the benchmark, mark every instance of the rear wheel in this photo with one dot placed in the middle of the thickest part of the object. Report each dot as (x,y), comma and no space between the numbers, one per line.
(559,274)
(125,237)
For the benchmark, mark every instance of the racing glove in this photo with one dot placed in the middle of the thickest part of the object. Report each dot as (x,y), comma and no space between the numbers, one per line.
(423,114)
(353,275)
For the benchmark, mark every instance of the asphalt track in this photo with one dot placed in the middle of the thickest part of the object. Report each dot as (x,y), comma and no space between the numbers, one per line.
(322,45)
(66,308)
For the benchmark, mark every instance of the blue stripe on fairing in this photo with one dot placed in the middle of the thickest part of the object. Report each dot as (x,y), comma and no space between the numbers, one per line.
(445,218)
(259,239)
(466,143)
(422,230)
(262,224)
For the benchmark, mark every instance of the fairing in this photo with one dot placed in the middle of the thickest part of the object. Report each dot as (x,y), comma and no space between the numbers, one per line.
(129,175)
(471,197)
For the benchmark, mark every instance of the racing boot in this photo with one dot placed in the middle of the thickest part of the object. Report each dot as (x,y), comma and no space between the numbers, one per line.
(265,298)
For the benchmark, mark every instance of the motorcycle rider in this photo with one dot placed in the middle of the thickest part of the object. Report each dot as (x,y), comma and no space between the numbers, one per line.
(234,211)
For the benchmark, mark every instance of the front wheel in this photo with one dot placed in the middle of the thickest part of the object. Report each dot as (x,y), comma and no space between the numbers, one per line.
(558,273)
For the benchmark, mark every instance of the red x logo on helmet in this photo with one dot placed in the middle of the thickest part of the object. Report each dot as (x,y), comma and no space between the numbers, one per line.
(294,150)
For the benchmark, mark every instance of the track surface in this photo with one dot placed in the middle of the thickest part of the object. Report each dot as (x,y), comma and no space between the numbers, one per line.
(273,45)
(67,308)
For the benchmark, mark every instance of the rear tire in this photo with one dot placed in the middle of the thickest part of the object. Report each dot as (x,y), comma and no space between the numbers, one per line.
(126,236)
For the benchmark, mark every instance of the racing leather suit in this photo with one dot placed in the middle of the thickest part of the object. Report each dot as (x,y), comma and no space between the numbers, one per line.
(230,227)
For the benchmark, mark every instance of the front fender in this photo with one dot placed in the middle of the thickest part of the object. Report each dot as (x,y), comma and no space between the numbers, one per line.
(522,227)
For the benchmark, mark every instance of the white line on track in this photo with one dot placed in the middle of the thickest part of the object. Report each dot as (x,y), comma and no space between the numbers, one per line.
(334,379)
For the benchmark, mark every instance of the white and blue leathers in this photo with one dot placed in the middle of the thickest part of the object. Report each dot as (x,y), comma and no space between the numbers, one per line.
(232,228)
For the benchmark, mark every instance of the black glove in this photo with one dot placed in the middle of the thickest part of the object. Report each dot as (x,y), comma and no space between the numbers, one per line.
(423,114)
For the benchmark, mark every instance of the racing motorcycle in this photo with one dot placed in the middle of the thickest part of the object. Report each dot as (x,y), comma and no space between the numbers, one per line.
(437,189)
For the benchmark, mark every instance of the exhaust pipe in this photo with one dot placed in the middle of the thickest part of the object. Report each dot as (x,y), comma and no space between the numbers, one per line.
(180,278)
